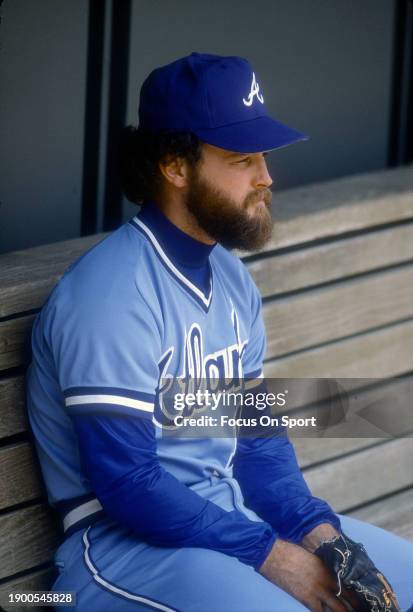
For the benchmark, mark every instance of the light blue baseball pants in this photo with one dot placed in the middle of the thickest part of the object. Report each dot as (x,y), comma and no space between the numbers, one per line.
(112,570)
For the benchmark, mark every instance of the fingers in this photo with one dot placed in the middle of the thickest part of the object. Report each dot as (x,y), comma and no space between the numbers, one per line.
(349,606)
(333,603)
(349,599)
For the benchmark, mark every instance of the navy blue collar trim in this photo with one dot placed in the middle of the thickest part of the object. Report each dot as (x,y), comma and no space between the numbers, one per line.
(179,246)
(203,299)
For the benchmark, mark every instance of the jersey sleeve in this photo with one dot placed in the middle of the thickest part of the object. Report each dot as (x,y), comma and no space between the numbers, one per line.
(106,352)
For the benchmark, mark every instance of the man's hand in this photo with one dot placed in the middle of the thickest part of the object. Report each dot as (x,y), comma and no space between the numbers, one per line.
(302,575)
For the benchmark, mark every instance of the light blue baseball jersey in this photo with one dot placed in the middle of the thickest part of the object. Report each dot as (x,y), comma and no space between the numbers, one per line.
(147,305)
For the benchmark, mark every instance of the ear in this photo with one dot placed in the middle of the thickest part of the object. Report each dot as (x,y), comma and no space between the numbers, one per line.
(175,171)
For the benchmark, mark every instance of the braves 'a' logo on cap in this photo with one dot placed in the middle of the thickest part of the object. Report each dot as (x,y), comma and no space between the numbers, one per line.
(255,91)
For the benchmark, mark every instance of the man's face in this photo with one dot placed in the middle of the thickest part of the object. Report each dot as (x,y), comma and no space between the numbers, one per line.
(228,194)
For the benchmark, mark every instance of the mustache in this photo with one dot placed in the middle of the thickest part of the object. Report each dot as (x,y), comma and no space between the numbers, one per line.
(260,194)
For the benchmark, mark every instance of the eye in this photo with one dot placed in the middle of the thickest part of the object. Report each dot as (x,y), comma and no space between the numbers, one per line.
(244,160)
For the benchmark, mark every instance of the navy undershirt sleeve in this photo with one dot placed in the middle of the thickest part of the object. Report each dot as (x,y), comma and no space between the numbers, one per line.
(272,483)
(119,458)
(265,464)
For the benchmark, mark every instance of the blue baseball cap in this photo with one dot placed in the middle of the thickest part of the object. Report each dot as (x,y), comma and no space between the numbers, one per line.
(217,98)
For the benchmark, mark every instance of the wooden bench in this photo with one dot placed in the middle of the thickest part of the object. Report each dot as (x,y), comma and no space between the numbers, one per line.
(337,286)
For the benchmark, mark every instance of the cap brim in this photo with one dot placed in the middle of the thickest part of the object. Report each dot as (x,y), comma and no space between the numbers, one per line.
(254,136)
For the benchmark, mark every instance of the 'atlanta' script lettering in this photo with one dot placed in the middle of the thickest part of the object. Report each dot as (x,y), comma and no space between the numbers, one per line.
(219,370)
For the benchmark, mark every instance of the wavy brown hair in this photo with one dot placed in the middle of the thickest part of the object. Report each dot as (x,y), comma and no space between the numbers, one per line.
(140,154)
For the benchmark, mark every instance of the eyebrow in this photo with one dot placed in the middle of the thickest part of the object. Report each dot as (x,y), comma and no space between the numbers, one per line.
(232,155)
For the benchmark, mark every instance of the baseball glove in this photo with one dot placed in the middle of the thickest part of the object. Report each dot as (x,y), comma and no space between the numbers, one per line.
(356,572)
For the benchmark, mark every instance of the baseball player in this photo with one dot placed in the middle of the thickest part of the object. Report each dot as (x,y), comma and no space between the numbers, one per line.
(153,521)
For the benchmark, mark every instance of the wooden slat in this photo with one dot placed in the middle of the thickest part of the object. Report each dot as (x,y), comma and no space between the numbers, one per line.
(346,308)
(342,205)
(390,411)
(12,413)
(279,273)
(41,580)
(28,537)
(394,513)
(311,450)
(26,277)
(15,341)
(384,403)
(364,476)
(379,354)
(19,474)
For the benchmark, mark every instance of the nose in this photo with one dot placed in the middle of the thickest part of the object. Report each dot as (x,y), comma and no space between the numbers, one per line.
(263,178)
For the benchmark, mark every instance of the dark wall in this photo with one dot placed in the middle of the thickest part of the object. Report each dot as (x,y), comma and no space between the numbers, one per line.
(325,67)
(42,76)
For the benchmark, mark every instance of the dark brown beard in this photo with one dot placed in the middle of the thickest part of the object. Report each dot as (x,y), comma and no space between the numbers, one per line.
(224,221)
